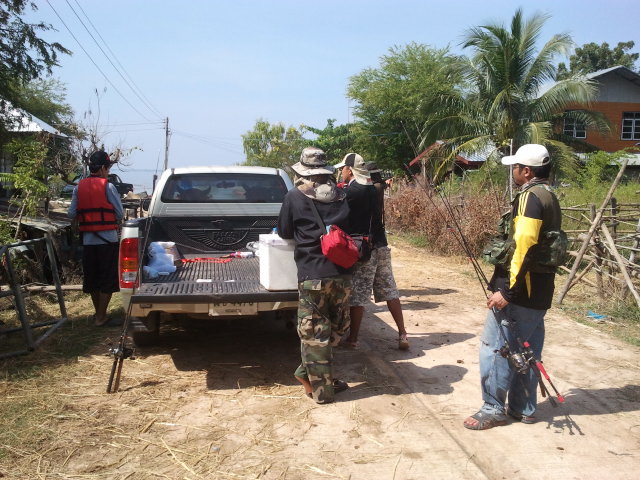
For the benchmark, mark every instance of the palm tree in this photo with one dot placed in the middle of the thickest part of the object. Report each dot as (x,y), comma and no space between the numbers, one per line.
(504,105)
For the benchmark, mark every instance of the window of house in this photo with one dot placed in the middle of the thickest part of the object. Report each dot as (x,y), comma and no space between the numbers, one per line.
(631,126)
(575,128)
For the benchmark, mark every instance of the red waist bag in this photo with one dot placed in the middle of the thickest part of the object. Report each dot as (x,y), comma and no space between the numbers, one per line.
(339,247)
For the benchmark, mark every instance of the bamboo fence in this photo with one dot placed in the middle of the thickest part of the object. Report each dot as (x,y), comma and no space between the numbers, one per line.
(609,246)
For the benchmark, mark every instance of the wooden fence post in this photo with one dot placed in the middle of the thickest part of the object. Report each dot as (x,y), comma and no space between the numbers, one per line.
(598,260)
(623,267)
(594,226)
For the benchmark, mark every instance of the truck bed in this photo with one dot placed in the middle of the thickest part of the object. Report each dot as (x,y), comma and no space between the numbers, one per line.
(205,282)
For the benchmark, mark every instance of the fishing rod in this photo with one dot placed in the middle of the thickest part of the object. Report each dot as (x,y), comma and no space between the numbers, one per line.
(521,357)
(121,351)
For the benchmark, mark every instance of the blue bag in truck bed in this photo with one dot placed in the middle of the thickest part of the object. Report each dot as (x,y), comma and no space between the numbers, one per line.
(278,269)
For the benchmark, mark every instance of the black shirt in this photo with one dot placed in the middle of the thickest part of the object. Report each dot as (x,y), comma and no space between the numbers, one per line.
(297,221)
(364,216)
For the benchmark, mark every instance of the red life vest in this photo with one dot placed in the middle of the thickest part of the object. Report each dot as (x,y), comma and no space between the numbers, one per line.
(94,211)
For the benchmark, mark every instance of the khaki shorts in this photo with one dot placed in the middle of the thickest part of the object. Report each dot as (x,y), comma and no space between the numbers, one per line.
(376,275)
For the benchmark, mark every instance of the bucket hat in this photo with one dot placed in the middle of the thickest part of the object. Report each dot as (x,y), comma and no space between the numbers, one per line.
(313,161)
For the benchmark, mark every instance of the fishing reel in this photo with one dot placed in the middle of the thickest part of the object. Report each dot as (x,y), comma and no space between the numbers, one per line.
(122,352)
(517,360)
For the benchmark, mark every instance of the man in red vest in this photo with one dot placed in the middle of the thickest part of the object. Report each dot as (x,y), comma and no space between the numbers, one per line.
(96,205)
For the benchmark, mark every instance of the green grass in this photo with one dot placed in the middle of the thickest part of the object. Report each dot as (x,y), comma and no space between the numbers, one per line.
(595,194)
(622,322)
(414,239)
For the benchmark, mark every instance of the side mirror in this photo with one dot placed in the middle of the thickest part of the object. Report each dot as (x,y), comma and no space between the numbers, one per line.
(144,203)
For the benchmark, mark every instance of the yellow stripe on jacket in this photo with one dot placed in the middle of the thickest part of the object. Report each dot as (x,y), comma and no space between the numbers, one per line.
(526,231)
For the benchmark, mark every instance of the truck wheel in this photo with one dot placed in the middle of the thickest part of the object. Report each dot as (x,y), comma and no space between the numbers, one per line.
(290,318)
(146,331)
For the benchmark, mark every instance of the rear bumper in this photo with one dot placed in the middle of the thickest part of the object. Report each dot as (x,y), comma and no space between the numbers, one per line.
(214,309)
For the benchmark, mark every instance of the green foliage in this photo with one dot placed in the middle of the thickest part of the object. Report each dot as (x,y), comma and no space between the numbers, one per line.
(503,106)
(575,194)
(24,56)
(274,145)
(394,101)
(592,57)
(7,232)
(335,141)
(600,167)
(46,99)
(29,174)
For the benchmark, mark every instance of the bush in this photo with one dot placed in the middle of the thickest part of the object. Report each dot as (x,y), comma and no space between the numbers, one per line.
(410,210)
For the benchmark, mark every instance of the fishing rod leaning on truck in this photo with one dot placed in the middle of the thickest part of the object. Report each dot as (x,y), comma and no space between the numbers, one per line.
(518,353)
(121,351)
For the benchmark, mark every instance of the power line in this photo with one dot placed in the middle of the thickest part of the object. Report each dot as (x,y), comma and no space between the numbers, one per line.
(205,140)
(158,122)
(95,64)
(140,95)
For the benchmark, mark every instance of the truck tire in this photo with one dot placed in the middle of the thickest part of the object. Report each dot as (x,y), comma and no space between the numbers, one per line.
(146,331)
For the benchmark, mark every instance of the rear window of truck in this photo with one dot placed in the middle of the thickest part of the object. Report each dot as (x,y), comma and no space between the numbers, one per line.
(224,188)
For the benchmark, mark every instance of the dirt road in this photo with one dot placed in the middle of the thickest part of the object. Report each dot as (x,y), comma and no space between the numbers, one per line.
(219,401)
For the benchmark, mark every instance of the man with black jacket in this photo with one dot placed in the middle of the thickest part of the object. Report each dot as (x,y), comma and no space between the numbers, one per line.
(324,287)
(373,274)
(523,291)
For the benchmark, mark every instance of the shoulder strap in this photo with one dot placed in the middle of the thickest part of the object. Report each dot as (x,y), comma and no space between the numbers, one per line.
(315,213)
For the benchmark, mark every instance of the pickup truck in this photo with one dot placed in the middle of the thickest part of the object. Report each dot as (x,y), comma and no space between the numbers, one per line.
(209,213)
(123,188)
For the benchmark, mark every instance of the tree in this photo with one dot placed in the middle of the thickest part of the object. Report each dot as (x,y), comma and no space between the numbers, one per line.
(29,176)
(592,57)
(24,56)
(46,99)
(335,140)
(274,145)
(505,106)
(395,100)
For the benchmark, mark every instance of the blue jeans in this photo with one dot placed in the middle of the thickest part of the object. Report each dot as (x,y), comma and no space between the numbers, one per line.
(497,376)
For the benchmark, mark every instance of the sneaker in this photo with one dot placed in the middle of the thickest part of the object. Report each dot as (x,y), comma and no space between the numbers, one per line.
(403,342)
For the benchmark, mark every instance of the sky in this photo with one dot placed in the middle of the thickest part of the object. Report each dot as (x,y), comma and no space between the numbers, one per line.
(215,67)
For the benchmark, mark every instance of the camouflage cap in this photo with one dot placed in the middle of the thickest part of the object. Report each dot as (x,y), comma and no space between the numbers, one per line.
(358,166)
(313,161)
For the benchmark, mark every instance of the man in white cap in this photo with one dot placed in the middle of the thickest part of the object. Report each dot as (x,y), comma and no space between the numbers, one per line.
(324,287)
(522,286)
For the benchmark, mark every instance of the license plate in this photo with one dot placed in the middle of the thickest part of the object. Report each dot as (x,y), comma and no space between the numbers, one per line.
(232,308)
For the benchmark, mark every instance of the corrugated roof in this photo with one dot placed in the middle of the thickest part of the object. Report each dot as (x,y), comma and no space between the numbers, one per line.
(467,158)
(624,72)
(23,122)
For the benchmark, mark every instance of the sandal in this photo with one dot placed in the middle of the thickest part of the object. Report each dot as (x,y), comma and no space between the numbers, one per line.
(339,386)
(101,324)
(403,342)
(350,344)
(528,419)
(485,421)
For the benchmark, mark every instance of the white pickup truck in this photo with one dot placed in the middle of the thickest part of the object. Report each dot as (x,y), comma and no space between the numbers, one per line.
(209,213)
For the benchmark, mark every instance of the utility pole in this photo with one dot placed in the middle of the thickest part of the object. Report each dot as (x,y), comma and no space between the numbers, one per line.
(166,143)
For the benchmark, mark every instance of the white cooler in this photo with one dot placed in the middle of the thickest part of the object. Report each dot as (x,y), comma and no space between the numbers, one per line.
(278,270)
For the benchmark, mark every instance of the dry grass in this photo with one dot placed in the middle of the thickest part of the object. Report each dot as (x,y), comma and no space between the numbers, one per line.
(412,212)
(57,421)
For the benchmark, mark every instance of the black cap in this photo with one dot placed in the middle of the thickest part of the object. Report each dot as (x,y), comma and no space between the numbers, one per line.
(100,158)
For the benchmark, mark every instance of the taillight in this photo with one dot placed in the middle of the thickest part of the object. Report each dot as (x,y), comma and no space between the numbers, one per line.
(129,263)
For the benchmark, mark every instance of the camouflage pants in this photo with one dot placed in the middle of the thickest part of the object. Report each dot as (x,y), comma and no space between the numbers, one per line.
(374,274)
(323,318)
